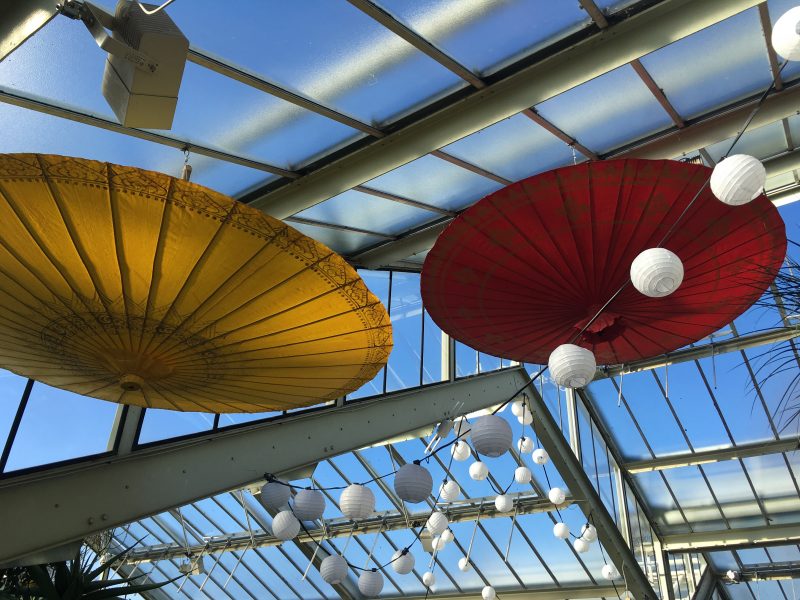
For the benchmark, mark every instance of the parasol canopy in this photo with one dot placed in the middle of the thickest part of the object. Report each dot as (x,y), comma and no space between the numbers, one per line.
(136,287)
(527,267)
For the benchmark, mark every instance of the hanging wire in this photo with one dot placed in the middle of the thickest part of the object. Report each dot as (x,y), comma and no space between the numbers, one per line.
(155,10)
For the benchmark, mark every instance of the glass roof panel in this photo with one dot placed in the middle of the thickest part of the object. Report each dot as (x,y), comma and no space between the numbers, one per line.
(514,148)
(161,424)
(365,211)
(605,396)
(486,36)
(28,131)
(694,498)
(695,77)
(81,426)
(607,111)
(733,492)
(343,242)
(327,51)
(235,118)
(11,388)
(659,500)
(762,143)
(776,487)
(433,181)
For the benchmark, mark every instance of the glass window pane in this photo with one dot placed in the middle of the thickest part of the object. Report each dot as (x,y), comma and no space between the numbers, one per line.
(11,388)
(433,343)
(59,425)
(406,313)
(486,36)
(165,424)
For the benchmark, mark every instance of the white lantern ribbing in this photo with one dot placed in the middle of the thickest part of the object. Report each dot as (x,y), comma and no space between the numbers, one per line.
(785,36)
(522,475)
(589,532)
(437,523)
(464,564)
(478,471)
(449,491)
(275,495)
(525,419)
(461,427)
(610,572)
(561,531)
(525,445)
(460,450)
(413,483)
(580,545)
(557,495)
(491,436)
(438,543)
(738,179)
(571,366)
(333,569)
(540,456)
(285,525)
(656,272)
(428,579)
(357,502)
(517,407)
(504,503)
(488,593)
(403,563)
(309,505)
(370,583)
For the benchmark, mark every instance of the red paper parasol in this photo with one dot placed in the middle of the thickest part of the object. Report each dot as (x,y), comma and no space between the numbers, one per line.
(527,267)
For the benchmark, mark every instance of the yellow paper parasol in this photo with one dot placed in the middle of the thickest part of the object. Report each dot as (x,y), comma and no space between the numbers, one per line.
(136,287)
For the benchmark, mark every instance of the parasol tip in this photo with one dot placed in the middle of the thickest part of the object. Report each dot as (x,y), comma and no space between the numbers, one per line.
(131,383)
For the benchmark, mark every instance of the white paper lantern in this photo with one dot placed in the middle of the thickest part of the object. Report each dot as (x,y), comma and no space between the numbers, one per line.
(738,179)
(464,564)
(610,572)
(437,523)
(556,496)
(449,491)
(517,407)
(428,579)
(785,37)
(403,563)
(540,456)
(504,503)
(580,545)
(460,450)
(448,536)
(438,543)
(571,366)
(413,483)
(461,427)
(589,532)
(488,593)
(333,569)
(478,470)
(357,502)
(525,445)
(275,495)
(285,525)
(309,505)
(522,475)
(525,419)
(656,272)
(561,531)
(491,436)
(370,583)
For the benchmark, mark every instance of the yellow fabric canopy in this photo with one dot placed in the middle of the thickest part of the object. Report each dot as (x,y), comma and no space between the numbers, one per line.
(136,287)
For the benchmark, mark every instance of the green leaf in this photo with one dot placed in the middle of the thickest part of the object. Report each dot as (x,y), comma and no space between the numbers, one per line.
(109,594)
(42,578)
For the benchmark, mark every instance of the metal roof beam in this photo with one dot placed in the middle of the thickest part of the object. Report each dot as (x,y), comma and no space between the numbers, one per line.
(50,508)
(745,342)
(571,592)
(745,537)
(578,482)
(460,512)
(611,48)
(701,457)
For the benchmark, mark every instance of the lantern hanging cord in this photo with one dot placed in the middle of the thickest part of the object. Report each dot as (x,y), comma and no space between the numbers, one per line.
(156,9)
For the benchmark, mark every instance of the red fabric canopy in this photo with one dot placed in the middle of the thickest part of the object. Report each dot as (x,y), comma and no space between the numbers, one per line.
(524,269)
